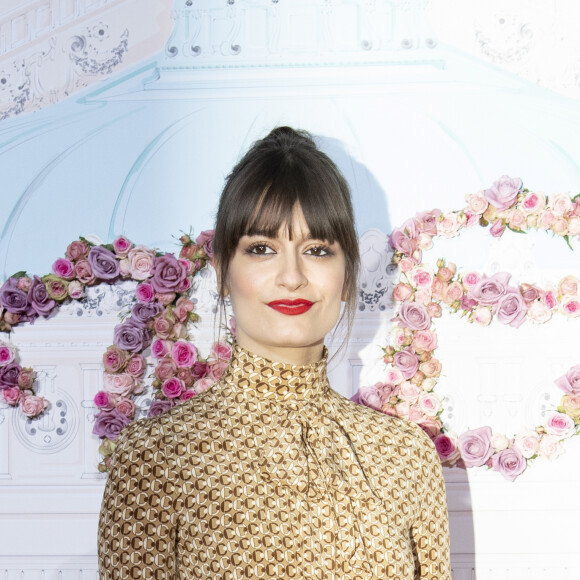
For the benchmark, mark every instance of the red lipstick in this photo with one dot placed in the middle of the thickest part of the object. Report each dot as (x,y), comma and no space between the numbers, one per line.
(291,307)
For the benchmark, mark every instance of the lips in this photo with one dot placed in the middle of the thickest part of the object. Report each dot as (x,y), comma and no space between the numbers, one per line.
(291,307)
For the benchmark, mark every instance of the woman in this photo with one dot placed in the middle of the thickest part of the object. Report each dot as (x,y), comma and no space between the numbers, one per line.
(270,473)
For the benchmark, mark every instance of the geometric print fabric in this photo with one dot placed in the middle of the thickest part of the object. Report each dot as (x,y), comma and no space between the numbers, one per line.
(272,474)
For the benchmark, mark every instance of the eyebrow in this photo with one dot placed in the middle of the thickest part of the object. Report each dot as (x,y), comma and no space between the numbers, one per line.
(266,234)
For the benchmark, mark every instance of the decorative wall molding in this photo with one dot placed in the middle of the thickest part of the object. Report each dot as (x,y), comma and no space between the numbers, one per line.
(50,49)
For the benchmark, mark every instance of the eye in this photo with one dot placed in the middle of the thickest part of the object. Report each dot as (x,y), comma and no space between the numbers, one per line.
(260,249)
(319,251)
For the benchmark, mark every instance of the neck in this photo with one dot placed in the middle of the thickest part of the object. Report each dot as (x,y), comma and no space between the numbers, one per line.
(302,355)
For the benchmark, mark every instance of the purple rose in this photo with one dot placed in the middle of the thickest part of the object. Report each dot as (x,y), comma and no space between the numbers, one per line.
(145,311)
(446,448)
(169,274)
(570,382)
(205,240)
(414,316)
(504,192)
(475,446)
(160,406)
(509,462)
(9,375)
(103,263)
(490,288)
(39,298)
(132,336)
(401,242)
(368,396)
(12,298)
(407,362)
(109,423)
(199,369)
(511,308)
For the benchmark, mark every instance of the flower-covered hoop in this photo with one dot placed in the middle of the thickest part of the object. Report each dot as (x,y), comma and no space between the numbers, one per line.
(422,292)
(158,319)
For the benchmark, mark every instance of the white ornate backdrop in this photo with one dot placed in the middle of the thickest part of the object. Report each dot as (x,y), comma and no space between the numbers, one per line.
(419,103)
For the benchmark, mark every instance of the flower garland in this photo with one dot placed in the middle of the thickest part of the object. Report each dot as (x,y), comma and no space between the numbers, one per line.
(422,293)
(158,319)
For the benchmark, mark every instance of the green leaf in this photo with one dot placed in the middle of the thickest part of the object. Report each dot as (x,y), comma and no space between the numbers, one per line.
(518,231)
(567,240)
(577,196)
(20,274)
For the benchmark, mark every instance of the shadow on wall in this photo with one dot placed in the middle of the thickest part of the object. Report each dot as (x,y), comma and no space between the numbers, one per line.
(377,274)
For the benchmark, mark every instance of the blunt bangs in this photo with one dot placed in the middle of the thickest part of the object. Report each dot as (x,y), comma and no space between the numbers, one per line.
(278,172)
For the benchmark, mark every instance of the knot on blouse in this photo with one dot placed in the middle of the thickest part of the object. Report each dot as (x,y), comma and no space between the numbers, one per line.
(301,441)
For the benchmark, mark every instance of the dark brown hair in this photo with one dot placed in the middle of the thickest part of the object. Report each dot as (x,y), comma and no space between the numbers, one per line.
(278,171)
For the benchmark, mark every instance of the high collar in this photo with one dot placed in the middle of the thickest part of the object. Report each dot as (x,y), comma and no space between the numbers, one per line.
(277,380)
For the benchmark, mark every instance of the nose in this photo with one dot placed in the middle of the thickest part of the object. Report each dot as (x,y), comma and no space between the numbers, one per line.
(291,273)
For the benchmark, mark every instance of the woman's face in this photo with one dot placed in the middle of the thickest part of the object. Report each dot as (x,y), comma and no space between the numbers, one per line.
(286,293)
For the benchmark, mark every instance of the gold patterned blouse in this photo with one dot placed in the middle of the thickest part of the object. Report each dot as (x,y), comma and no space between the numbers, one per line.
(271,474)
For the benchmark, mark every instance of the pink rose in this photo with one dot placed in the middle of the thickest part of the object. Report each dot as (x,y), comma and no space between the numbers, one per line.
(533,203)
(570,306)
(568,286)
(75,290)
(471,279)
(370,397)
(446,445)
(187,394)
(559,424)
(427,221)
(182,308)
(433,310)
(32,406)
(402,243)
(430,404)
(547,219)
(84,272)
(125,407)
(529,293)
(401,337)
(402,292)
(221,350)
(482,315)
(449,225)
(504,192)
(145,292)
(423,296)
(431,426)
(574,226)
(445,273)
(394,377)
(64,268)
(77,250)
(104,400)
(431,368)
(122,246)
(511,308)
(407,362)
(173,387)
(186,375)
(160,348)
(136,366)
(165,369)
(163,326)
(420,278)
(402,409)
(528,443)
(517,219)
(550,447)
(26,378)
(414,316)
(184,353)
(203,385)
(509,462)
(570,382)
(409,392)
(477,202)
(424,340)
(120,385)
(453,292)
(561,204)
(141,262)
(425,241)
(490,288)
(560,226)
(115,359)
(7,353)
(539,312)
(217,368)
(406,264)
(497,228)
(11,395)
(475,446)
(550,300)
(205,240)
(165,298)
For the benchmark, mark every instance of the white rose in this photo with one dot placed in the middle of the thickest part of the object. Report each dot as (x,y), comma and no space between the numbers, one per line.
(528,443)
(499,441)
